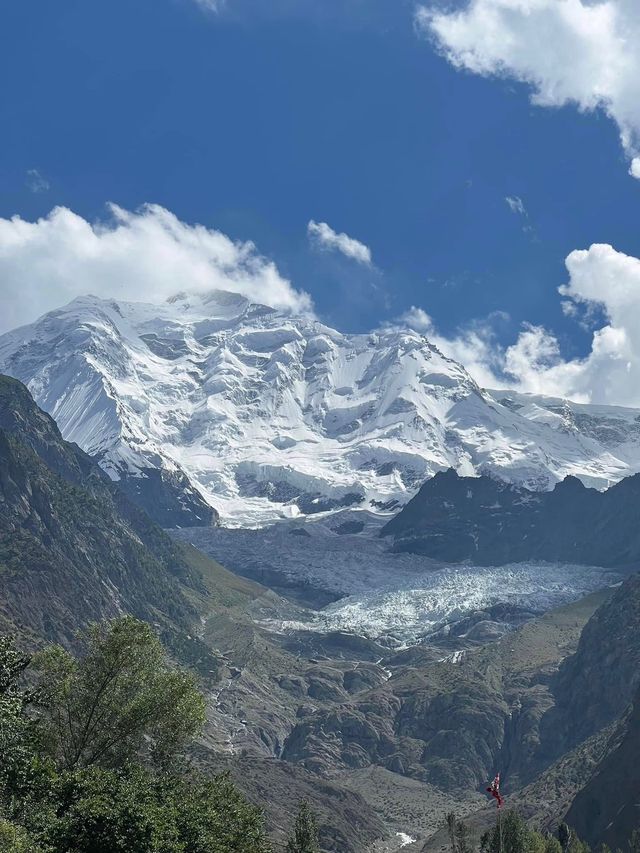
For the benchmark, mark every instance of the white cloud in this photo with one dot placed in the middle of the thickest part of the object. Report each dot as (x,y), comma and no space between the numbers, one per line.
(417,319)
(474,346)
(36,181)
(146,255)
(210,5)
(323,236)
(516,205)
(583,52)
(602,282)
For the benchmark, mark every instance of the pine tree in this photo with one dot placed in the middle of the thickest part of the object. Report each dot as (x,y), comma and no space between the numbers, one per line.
(458,834)
(463,838)
(305,833)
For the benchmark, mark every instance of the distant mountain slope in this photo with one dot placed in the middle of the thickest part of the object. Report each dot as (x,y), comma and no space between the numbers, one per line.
(490,522)
(212,401)
(72,547)
(605,811)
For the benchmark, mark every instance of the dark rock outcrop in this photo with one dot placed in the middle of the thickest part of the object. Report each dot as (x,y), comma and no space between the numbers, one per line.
(168,497)
(595,686)
(490,522)
(605,811)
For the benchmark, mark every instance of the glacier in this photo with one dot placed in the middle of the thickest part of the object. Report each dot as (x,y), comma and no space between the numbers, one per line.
(397,599)
(270,416)
(454,602)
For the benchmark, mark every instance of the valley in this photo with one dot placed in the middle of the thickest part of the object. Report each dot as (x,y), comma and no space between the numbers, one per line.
(320,426)
(380,616)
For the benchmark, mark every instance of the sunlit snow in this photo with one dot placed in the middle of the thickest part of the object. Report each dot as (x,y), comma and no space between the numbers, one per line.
(271,415)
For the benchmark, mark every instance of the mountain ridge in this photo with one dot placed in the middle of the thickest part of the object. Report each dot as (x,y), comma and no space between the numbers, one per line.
(208,404)
(489,522)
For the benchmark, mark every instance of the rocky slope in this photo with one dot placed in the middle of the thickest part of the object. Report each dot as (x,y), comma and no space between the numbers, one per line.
(490,522)
(212,401)
(572,734)
(74,549)
(448,720)
(596,686)
(605,811)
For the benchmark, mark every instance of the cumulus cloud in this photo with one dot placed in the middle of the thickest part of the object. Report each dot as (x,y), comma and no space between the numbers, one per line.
(145,255)
(417,319)
(602,283)
(582,52)
(324,237)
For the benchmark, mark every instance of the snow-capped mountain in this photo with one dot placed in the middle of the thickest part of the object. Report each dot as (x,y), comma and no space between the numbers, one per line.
(262,415)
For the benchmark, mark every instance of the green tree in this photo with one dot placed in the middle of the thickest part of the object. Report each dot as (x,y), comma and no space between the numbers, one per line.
(463,837)
(451,829)
(552,845)
(564,837)
(15,839)
(510,835)
(305,832)
(105,798)
(20,765)
(132,810)
(458,835)
(120,695)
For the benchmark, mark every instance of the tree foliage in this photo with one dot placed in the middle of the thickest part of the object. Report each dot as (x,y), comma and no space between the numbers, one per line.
(103,707)
(512,835)
(459,835)
(305,831)
(132,809)
(86,766)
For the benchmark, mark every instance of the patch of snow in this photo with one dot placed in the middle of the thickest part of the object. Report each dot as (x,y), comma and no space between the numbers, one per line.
(405,839)
(455,658)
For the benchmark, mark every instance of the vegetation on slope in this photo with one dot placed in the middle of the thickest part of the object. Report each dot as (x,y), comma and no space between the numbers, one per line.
(91,755)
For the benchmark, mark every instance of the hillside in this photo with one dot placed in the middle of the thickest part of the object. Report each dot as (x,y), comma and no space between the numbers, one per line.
(74,549)
(212,401)
(490,522)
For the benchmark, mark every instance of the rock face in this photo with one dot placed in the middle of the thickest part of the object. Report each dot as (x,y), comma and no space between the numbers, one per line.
(606,809)
(72,547)
(596,686)
(490,522)
(263,415)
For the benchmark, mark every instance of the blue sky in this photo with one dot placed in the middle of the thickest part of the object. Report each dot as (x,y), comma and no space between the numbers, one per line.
(266,115)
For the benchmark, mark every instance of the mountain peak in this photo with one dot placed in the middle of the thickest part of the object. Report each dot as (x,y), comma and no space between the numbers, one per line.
(265,415)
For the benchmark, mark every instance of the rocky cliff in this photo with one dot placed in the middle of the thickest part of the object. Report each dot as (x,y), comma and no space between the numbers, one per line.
(491,522)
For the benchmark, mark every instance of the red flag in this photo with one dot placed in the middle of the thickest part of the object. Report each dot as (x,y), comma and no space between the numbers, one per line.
(494,790)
